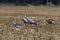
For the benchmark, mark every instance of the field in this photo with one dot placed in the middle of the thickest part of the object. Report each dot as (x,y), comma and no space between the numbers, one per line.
(41,31)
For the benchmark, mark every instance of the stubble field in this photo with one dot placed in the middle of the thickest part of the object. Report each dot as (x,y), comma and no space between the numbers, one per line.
(41,31)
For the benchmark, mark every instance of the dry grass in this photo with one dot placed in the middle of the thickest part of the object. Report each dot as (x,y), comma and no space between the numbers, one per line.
(41,31)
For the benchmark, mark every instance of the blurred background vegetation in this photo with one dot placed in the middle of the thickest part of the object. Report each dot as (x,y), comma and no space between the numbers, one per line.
(30,2)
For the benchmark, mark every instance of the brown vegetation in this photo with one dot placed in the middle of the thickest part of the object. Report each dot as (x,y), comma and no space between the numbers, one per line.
(41,31)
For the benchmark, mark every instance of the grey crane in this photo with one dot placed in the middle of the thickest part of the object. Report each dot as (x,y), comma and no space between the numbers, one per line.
(29,21)
(50,21)
(15,24)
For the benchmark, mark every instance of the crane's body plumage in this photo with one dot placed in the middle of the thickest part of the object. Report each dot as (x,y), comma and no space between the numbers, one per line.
(29,21)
